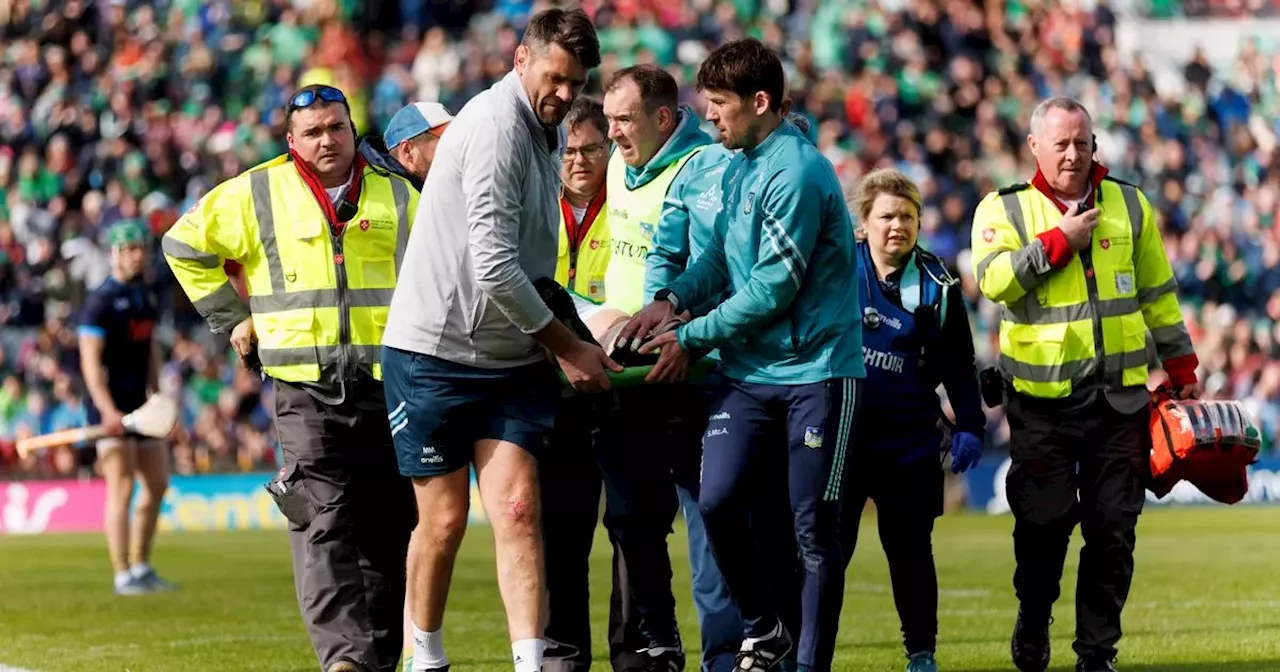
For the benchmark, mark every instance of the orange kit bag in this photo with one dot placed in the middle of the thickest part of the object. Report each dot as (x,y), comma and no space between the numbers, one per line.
(1209,444)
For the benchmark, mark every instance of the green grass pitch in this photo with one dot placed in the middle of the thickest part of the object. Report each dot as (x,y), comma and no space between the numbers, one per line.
(1204,599)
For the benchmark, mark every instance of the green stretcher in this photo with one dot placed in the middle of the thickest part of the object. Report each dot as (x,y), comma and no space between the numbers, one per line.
(634,375)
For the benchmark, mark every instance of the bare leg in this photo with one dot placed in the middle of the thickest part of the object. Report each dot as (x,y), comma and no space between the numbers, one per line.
(152,461)
(443,502)
(508,479)
(117,462)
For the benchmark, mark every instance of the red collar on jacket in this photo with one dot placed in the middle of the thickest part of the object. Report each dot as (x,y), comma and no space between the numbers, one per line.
(1096,173)
(577,231)
(322,197)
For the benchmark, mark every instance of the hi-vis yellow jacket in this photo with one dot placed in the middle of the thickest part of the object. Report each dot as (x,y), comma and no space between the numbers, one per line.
(582,270)
(1072,322)
(633,220)
(319,304)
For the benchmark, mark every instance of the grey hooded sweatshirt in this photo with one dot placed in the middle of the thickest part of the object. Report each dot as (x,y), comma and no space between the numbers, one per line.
(489,228)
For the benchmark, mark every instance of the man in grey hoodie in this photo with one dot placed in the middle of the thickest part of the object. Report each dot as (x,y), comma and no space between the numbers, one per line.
(464,360)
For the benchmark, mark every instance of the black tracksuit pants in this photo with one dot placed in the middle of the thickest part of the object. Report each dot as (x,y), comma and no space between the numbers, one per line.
(908,498)
(649,441)
(571,491)
(1103,455)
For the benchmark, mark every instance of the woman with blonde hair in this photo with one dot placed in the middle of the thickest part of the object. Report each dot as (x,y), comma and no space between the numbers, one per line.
(915,336)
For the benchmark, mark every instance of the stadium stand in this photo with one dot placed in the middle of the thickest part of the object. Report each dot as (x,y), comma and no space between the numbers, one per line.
(132,109)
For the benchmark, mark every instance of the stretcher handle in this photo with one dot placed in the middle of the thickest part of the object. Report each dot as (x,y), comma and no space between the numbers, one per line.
(635,375)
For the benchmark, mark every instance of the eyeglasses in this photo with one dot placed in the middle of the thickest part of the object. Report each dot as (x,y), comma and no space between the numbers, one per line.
(308,97)
(588,152)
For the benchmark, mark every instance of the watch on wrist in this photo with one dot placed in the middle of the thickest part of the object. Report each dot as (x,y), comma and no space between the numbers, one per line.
(666,295)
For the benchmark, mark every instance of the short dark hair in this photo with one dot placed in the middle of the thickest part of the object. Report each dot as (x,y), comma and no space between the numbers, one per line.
(570,28)
(657,87)
(587,110)
(744,67)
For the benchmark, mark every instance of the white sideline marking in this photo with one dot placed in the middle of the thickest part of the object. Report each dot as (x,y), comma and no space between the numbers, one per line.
(6,668)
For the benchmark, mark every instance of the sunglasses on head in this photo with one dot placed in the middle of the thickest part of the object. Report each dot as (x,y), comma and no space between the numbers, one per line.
(308,97)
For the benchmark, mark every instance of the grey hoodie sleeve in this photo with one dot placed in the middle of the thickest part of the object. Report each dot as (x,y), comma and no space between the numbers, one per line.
(495,160)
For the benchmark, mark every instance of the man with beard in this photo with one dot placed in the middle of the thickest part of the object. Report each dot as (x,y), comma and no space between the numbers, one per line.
(468,378)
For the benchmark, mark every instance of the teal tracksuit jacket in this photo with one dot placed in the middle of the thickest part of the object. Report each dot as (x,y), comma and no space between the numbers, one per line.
(782,244)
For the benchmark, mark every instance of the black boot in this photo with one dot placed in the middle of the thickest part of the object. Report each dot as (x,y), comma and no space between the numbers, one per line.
(1030,645)
(1095,665)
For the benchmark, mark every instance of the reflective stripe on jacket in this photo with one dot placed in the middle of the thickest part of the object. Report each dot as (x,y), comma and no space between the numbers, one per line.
(319,303)
(1073,321)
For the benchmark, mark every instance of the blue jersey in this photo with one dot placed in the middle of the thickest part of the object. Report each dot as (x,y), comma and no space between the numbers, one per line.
(920,338)
(124,316)
(784,247)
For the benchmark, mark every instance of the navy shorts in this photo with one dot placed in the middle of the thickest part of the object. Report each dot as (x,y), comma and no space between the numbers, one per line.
(439,409)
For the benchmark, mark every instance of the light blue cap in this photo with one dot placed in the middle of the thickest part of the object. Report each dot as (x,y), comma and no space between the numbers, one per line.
(415,119)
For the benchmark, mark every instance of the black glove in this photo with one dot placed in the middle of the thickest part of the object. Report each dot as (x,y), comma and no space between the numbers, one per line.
(251,359)
(991,384)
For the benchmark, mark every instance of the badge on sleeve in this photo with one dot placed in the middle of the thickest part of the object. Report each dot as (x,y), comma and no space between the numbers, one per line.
(1124,283)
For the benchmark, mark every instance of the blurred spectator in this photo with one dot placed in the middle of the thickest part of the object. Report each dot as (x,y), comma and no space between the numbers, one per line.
(135,108)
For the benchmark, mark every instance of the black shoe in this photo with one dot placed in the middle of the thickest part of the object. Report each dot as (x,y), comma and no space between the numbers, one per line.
(764,655)
(1095,665)
(1030,645)
(670,660)
(629,661)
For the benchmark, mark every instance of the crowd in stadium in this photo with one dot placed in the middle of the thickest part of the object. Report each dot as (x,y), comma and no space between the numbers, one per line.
(133,109)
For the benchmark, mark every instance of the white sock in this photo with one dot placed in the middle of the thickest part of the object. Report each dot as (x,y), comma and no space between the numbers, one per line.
(750,642)
(428,650)
(528,654)
(123,577)
(140,570)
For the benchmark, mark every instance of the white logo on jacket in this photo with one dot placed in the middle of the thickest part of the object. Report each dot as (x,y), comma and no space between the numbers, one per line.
(885,361)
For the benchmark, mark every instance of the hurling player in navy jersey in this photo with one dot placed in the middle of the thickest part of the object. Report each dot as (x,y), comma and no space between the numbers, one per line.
(120,365)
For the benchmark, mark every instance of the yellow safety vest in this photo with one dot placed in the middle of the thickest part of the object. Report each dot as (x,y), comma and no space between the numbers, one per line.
(319,304)
(1083,325)
(633,219)
(582,271)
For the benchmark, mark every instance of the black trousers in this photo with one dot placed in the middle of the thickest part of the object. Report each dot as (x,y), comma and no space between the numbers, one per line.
(350,516)
(1102,455)
(908,500)
(571,487)
(648,442)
